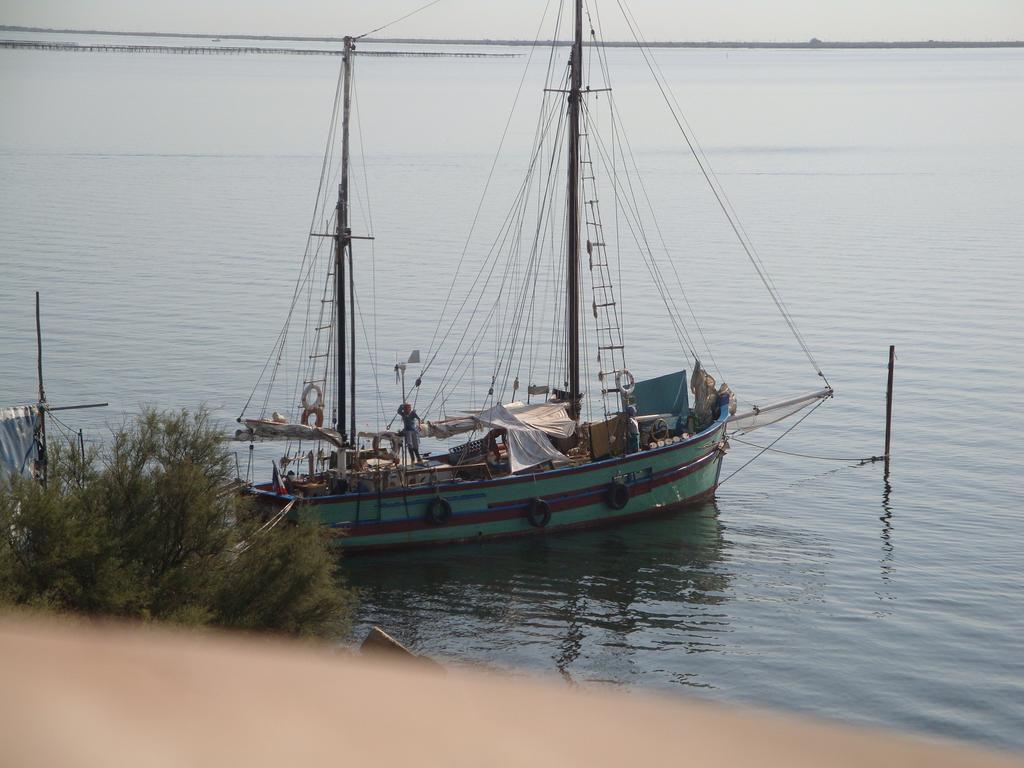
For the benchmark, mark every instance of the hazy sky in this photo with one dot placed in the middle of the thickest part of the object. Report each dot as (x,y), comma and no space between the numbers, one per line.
(659,19)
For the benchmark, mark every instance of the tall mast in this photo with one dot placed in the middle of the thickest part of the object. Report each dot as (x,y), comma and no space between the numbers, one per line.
(349,47)
(573,205)
(343,239)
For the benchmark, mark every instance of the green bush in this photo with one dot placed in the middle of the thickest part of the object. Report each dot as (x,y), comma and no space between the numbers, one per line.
(153,527)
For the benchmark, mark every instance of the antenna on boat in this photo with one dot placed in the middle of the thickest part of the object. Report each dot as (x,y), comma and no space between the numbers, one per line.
(414,359)
(573,206)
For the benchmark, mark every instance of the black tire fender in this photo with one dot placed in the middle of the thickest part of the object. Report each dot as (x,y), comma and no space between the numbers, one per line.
(618,495)
(440,511)
(539,513)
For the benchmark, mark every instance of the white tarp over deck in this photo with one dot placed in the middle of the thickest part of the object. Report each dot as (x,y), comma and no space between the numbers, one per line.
(550,418)
(17,440)
(527,445)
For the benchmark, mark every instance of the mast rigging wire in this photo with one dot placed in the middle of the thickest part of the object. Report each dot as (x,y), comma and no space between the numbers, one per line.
(483,194)
(278,349)
(373,253)
(859,459)
(400,18)
(497,247)
(627,151)
(719,194)
(771,445)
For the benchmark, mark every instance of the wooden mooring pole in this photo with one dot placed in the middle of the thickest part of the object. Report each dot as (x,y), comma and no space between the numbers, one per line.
(888,406)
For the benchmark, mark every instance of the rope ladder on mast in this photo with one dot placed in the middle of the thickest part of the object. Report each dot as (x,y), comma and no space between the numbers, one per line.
(611,347)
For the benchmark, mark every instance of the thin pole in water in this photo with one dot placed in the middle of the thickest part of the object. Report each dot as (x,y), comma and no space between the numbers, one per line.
(39,351)
(42,396)
(888,406)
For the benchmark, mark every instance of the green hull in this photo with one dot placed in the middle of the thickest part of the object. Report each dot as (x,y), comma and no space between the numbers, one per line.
(671,475)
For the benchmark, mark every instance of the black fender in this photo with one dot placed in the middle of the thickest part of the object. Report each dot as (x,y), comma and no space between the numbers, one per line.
(440,511)
(539,513)
(618,495)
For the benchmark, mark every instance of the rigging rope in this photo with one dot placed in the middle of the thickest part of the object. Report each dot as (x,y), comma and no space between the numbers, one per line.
(487,270)
(634,223)
(860,459)
(400,18)
(373,254)
(278,349)
(620,137)
(532,267)
(483,196)
(770,445)
(726,207)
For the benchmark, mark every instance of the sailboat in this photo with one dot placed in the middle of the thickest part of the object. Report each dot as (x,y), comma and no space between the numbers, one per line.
(567,450)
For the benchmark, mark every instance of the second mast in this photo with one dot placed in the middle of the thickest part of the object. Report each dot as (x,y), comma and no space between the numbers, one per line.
(343,248)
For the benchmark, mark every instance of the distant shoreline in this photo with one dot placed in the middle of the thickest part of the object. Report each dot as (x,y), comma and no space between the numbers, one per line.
(813,44)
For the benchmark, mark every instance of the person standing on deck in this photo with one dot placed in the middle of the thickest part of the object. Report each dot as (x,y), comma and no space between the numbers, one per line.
(410,431)
(632,431)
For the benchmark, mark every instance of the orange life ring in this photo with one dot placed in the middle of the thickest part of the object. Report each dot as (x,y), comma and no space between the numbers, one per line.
(317,412)
(312,389)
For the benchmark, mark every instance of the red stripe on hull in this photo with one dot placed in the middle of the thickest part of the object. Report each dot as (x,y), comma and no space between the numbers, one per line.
(581,498)
(584,525)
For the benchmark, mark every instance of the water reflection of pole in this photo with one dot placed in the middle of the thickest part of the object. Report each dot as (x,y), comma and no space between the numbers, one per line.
(888,407)
(886,517)
(572,642)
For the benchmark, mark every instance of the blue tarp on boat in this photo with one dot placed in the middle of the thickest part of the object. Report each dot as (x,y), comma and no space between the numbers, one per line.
(663,394)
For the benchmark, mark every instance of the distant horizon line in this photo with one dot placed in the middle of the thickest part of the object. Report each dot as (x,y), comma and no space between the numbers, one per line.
(812,44)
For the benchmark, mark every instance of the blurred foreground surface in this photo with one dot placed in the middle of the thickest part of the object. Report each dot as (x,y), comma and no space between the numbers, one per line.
(92,696)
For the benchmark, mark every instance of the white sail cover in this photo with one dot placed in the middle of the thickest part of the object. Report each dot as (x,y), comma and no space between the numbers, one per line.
(456,425)
(272,430)
(762,416)
(550,418)
(527,445)
(17,440)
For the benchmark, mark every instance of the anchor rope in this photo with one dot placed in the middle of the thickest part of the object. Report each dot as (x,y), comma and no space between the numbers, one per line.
(772,443)
(862,460)
(432,350)
(716,189)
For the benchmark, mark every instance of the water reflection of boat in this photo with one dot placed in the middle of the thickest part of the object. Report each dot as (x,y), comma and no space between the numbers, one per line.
(595,594)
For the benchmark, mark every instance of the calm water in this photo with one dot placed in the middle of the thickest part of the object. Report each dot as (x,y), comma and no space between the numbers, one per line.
(160,204)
